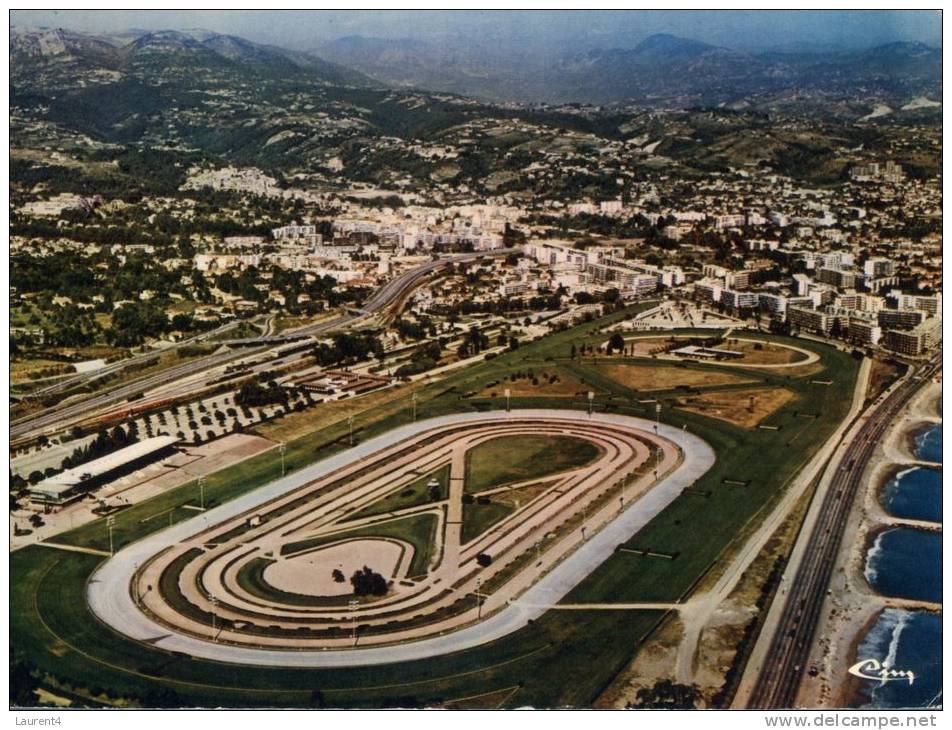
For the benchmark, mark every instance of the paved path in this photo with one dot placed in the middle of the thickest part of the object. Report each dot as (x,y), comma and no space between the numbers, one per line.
(604,606)
(74,548)
(708,601)
(112,602)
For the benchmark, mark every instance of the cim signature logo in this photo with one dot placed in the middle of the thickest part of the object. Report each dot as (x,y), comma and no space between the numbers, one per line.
(874,669)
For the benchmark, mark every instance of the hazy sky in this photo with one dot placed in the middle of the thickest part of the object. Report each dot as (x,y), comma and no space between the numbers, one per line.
(544,30)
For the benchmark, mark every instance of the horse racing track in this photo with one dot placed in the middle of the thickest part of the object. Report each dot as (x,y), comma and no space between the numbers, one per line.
(434,537)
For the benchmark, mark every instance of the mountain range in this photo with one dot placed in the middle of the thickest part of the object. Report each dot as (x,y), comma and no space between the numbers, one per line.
(661,67)
(55,52)
(197,97)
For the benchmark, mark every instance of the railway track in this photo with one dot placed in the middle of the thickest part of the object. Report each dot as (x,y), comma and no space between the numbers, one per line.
(386,296)
(779,681)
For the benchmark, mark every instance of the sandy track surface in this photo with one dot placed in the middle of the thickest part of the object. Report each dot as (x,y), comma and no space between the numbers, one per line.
(575,503)
(311,573)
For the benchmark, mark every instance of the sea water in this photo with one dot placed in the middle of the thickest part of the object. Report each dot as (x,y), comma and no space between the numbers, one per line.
(905,562)
(928,444)
(904,641)
(915,493)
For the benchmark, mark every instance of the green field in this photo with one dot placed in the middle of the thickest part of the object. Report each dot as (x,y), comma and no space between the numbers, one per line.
(566,658)
(510,459)
(477,518)
(413,495)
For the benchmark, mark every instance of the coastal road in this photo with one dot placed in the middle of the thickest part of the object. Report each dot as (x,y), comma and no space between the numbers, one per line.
(779,679)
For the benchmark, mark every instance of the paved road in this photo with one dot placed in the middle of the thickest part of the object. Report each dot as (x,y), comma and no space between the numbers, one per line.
(779,680)
(707,602)
(386,296)
(110,599)
(63,415)
(67,383)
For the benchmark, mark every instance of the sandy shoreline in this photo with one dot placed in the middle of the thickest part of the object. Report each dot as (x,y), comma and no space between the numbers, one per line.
(910,444)
(851,688)
(852,607)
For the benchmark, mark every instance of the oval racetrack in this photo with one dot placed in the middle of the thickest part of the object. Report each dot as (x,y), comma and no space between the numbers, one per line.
(187,589)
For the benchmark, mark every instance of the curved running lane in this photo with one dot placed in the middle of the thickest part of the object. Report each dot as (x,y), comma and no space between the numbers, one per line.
(111,600)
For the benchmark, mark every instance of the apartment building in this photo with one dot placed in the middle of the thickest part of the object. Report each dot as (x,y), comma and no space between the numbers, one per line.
(810,320)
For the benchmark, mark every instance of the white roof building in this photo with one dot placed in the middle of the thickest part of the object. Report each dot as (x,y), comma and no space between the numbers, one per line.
(56,487)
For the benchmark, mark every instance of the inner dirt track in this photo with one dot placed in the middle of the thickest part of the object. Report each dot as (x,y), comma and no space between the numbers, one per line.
(180,589)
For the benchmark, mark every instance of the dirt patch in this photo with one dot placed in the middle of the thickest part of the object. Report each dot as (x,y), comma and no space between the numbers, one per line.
(648,346)
(313,573)
(654,661)
(755,352)
(717,648)
(26,370)
(745,408)
(762,353)
(664,377)
(557,385)
(802,371)
(881,375)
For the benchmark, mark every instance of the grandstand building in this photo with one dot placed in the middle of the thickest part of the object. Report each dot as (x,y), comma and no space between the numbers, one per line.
(70,485)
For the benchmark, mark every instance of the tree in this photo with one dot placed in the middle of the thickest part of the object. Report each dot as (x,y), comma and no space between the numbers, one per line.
(617,342)
(366,582)
(254,393)
(22,683)
(337,575)
(669,695)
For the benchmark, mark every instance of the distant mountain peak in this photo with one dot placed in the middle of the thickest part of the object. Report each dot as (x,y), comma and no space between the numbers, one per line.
(902,48)
(667,44)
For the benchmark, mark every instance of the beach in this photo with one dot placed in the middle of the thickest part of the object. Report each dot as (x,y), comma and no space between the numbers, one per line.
(852,607)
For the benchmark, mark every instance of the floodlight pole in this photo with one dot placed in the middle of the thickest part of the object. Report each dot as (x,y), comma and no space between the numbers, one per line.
(281,447)
(479,600)
(350,424)
(110,520)
(201,492)
(591,401)
(352,604)
(508,394)
(413,396)
(214,602)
